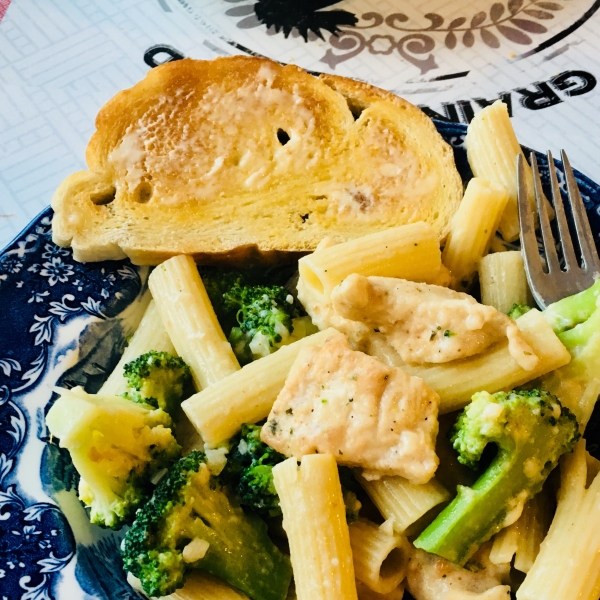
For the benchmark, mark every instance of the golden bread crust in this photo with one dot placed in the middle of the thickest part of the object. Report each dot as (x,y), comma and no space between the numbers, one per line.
(241,159)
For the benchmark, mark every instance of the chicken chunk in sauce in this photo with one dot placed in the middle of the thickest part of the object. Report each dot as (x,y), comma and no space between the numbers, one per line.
(367,414)
(427,323)
(433,578)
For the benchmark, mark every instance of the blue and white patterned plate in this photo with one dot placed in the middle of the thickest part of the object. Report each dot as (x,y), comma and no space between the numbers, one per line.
(64,323)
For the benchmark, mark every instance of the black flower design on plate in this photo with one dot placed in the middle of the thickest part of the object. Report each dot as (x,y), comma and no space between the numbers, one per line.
(304,16)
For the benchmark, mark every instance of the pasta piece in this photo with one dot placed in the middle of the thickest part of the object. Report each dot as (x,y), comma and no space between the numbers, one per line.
(499,245)
(569,382)
(522,539)
(247,395)
(380,555)
(443,277)
(568,564)
(407,252)
(583,410)
(366,593)
(593,468)
(505,544)
(533,526)
(503,281)
(314,518)
(495,369)
(150,335)
(472,229)
(403,502)
(492,150)
(190,320)
(202,586)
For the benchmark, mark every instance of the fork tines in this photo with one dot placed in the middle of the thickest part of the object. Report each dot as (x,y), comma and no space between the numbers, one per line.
(552,284)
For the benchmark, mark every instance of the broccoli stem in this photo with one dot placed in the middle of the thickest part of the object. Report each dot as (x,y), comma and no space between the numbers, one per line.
(583,333)
(531,430)
(189,507)
(478,512)
(569,312)
(240,552)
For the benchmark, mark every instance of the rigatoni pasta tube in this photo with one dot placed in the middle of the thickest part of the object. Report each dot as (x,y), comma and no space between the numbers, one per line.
(314,518)
(150,335)
(190,320)
(404,502)
(503,280)
(407,252)
(495,369)
(574,391)
(366,593)
(380,555)
(247,395)
(522,539)
(568,564)
(492,150)
(472,228)
(202,586)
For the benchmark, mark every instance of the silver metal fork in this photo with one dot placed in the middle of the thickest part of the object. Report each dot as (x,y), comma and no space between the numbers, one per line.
(553,283)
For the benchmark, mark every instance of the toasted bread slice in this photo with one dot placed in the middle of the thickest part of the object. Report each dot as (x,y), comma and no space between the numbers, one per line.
(243,160)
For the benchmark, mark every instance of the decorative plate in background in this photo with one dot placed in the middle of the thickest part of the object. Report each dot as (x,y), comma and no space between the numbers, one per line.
(65,323)
(389,42)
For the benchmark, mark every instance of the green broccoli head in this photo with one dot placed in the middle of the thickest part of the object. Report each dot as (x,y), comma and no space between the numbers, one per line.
(217,283)
(249,472)
(249,469)
(257,315)
(531,430)
(353,505)
(573,310)
(158,379)
(117,447)
(191,523)
(264,315)
(518,310)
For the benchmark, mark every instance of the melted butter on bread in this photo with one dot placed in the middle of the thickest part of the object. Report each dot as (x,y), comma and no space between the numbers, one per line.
(242,159)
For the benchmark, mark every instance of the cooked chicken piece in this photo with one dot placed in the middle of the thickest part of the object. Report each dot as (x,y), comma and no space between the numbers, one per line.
(343,402)
(433,578)
(427,323)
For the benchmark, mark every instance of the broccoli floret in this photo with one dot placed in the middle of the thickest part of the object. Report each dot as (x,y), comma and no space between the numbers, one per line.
(576,321)
(249,469)
(518,310)
(217,283)
(353,505)
(158,379)
(257,317)
(569,312)
(117,447)
(249,472)
(264,316)
(350,490)
(190,522)
(531,430)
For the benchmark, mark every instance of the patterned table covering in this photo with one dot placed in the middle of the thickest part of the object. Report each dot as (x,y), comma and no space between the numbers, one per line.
(61,61)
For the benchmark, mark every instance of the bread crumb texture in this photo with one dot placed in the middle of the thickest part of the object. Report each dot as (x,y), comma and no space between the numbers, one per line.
(242,159)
